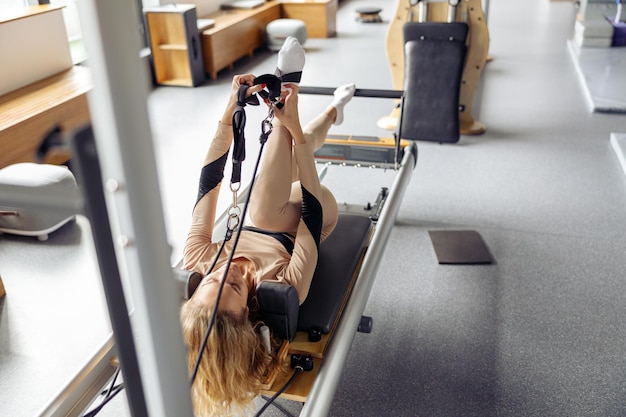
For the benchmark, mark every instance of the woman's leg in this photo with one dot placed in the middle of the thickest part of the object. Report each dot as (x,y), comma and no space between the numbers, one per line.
(272,207)
(277,197)
(270,204)
(316,131)
(276,200)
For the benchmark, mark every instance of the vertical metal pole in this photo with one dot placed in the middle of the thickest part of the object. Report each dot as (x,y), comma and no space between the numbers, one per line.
(123,138)
(422,7)
(452,7)
(87,166)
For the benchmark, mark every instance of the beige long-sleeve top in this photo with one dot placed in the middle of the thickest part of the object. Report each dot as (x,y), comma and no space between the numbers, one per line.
(270,258)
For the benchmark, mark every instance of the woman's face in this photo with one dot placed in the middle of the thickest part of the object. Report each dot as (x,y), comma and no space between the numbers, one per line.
(234,295)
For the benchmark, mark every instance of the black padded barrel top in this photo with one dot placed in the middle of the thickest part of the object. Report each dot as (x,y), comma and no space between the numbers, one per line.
(434,62)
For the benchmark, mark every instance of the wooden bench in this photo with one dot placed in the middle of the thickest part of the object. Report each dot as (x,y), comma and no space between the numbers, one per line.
(29,114)
(236,33)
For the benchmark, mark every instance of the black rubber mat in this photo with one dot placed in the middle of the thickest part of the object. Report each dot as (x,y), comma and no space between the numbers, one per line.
(460,247)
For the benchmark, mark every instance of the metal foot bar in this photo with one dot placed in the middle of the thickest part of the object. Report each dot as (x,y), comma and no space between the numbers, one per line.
(360,92)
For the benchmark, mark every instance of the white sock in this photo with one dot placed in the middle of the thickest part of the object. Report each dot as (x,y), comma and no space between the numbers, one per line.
(342,95)
(290,58)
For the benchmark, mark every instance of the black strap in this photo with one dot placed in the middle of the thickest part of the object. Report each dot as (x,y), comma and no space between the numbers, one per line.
(292,77)
(239,125)
(272,84)
(283,238)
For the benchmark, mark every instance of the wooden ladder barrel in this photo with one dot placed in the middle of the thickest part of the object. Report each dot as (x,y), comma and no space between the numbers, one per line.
(469,11)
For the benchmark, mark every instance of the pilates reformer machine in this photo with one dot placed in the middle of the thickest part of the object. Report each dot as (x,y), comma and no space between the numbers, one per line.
(122,201)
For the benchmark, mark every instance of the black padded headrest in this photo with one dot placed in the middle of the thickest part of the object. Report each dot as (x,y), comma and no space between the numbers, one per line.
(434,61)
(278,307)
(278,302)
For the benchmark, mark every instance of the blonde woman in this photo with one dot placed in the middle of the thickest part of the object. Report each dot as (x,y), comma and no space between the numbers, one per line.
(291,213)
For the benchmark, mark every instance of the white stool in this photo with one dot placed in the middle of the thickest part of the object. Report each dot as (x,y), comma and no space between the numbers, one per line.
(278,30)
(34,178)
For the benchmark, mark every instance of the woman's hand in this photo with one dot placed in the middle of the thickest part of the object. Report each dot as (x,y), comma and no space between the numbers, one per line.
(288,115)
(244,79)
(239,80)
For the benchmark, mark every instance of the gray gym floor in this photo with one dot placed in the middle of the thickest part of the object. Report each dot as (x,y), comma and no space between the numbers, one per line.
(538,333)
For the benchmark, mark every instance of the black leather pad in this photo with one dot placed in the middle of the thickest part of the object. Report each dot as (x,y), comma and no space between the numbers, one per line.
(434,61)
(339,256)
(279,305)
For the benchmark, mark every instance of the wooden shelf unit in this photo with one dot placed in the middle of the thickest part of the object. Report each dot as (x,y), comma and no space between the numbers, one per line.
(175,45)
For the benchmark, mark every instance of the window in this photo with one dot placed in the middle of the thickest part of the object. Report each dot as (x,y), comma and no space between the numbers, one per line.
(72,21)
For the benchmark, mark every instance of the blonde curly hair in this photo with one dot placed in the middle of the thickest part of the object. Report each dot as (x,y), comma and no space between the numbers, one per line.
(235,362)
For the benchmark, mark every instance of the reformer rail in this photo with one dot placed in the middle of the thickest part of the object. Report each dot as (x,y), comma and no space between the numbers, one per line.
(323,391)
